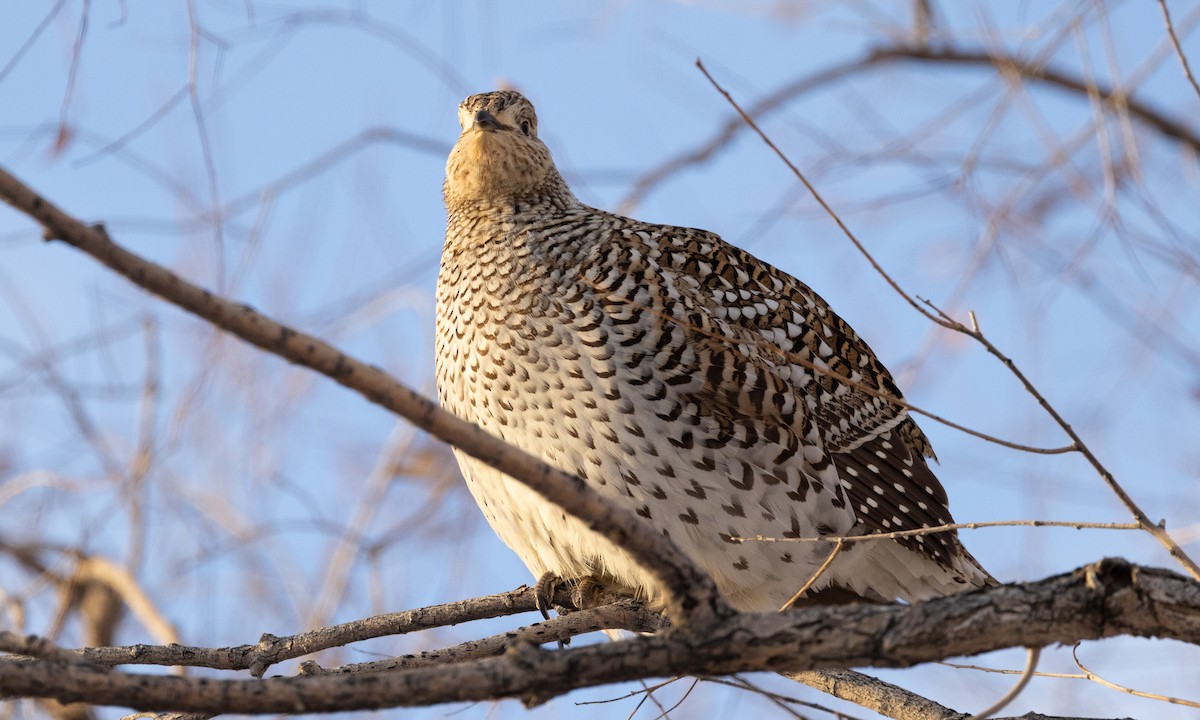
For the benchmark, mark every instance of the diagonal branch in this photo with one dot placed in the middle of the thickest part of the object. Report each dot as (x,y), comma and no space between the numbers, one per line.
(691,595)
(883,697)
(1183,61)
(935,315)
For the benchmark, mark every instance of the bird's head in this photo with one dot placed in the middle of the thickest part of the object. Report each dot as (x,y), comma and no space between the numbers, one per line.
(499,157)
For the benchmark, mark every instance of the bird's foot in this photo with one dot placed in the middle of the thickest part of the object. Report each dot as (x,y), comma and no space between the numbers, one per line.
(582,593)
(547,586)
(543,593)
(590,592)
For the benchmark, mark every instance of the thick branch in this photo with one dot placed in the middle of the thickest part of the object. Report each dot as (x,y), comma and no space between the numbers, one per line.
(691,594)
(1103,600)
(882,697)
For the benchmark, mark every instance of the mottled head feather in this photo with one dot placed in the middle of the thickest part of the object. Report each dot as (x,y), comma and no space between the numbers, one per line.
(498,158)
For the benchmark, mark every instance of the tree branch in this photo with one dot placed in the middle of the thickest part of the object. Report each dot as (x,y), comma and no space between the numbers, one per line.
(621,615)
(1039,72)
(1152,117)
(936,315)
(1105,599)
(270,649)
(882,697)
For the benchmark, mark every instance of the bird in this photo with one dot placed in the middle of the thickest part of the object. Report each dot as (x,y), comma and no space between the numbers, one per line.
(715,396)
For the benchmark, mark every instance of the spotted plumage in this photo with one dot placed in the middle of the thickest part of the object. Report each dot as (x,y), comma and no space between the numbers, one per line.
(675,374)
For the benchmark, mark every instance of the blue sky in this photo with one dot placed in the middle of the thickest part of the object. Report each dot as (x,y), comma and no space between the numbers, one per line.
(260,468)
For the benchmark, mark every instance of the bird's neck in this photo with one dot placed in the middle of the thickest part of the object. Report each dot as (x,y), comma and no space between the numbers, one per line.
(513,230)
(517,210)
(551,193)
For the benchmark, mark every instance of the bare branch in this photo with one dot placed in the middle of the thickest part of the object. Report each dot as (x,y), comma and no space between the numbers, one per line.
(622,615)
(1088,674)
(63,136)
(1187,70)
(1102,600)
(821,201)
(839,539)
(1173,129)
(1166,126)
(1155,529)
(270,649)
(210,168)
(936,315)
(29,41)
(798,359)
(872,693)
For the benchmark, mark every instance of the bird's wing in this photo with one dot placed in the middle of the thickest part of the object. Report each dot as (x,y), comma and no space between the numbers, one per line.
(763,332)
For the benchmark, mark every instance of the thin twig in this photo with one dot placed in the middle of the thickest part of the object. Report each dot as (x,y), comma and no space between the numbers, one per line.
(798,359)
(144,458)
(780,700)
(936,315)
(1187,70)
(137,130)
(1138,693)
(31,39)
(1031,70)
(666,711)
(820,200)
(1031,661)
(270,649)
(63,136)
(1155,529)
(644,184)
(941,529)
(210,169)
(631,694)
(837,548)
(622,615)
(1008,671)
(341,152)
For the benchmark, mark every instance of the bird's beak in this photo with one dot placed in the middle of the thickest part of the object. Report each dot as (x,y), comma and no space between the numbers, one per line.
(484,120)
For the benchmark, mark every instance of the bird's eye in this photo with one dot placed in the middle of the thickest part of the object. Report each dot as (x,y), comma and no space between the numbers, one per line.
(525,126)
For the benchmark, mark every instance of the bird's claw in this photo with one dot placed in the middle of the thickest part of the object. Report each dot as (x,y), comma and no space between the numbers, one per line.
(543,592)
